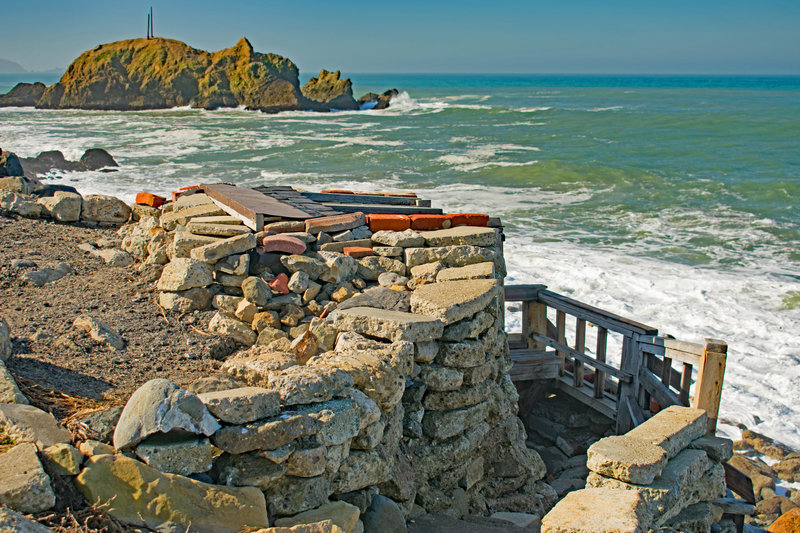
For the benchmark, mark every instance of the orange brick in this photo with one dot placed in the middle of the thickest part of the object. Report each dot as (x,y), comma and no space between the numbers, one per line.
(336,191)
(388,222)
(183,191)
(146,198)
(469,219)
(357,251)
(423,222)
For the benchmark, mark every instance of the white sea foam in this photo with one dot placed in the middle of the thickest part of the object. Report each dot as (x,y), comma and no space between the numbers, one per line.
(486,155)
(533,109)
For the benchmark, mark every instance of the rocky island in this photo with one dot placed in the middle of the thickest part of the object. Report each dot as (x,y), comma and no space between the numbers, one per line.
(158,73)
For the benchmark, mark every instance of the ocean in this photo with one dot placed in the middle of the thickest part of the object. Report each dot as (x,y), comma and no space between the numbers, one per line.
(672,200)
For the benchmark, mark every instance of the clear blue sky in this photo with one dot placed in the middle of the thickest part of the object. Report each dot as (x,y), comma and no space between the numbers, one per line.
(557,36)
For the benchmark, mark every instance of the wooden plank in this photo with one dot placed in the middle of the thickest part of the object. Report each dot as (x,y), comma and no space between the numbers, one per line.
(561,336)
(585,395)
(580,347)
(685,352)
(600,355)
(515,342)
(533,364)
(708,389)
(608,369)
(595,315)
(521,293)
(628,391)
(537,316)
(335,198)
(657,390)
(385,209)
(423,203)
(686,384)
(739,482)
(250,204)
(634,411)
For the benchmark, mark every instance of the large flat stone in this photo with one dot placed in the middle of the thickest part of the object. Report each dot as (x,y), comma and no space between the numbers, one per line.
(249,470)
(445,424)
(450,256)
(673,428)
(184,242)
(627,459)
(451,301)
(476,271)
(380,298)
(335,223)
(211,253)
(216,230)
(391,325)
(469,235)
(181,216)
(291,495)
(29,424)
(597,511)
(266,434)
(465,354)
(24,485)
(183,273)
(340,513)
(242,405)
(18,523)
(142,495)
(300,385)
(9,391)
(177,456)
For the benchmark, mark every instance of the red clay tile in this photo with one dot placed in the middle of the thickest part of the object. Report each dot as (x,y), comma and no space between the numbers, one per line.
(146,198)
(357,251)
(283,243)
(185,191)
(280,284)
(336,191)
(469,219)
(388,222)
(427,222)
(335,223)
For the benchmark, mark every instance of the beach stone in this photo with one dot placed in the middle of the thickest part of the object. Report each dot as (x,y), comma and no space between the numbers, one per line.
(266,319)
(299,282)
(380,298)
(256,290)
(184,456)
(26,423)
(456,399)
(597,509)
(269,335)
(225,303)
(308,462)
(242,405)
(340,267)
(90,448)
(522,520)
(100,425)
(239,331)
(425,351)
(788,522)
(760,474)
(24,485)
(388,251)
(335,223)
(718,448)
(20,204)
(465,354)
(360,469)
(104,209)
(5,340)
(216,230)
(343,236)
(475,271)
(788,469)
(441,378)
(267,434)
(18,184)
(256,365)
(249,470)
(144,496)
(219,219)
(450,256)
(469,235)
(337,420)
(63,206)
(246,311)
(341,245)
(100,331)
(64,459)
(388,279)
(184,242)
(182,274)
(291,495)
(181,215)
(114,257)
(211,253)
(43,276)
(341,514)
(402,239)
(627,459)
(452,301)
(13,522)
(299,385)
(9,391)
(302,263)
(441,425)
(390,325)
(468,328)
(186,301)
(214,383)
(673,428)
(160,406)
(284,244)
(384,516)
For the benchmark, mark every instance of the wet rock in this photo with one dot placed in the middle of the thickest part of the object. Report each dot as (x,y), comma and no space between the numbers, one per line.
(160,406)
(97,158)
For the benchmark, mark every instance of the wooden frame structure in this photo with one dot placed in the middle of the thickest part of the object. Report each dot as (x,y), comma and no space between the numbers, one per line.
(643,381)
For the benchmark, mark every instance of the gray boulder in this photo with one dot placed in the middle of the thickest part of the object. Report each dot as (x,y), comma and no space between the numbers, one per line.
(383,516)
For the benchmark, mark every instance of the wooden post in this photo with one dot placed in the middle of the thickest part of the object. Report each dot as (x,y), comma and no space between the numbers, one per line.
(580,345)
(629,413)
(710,374)
(537,323)
(561,330)
(600,355)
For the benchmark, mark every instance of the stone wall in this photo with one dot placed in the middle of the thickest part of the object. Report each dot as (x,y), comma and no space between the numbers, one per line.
(665,473)
(374,363)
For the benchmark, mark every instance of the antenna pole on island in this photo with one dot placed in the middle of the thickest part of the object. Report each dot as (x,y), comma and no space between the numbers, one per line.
(151,22)
(148,26)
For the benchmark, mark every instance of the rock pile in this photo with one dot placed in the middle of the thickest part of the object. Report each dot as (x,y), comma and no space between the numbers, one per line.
(664,473)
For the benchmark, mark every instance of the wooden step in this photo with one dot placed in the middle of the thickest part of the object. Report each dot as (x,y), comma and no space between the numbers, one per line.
(533,364)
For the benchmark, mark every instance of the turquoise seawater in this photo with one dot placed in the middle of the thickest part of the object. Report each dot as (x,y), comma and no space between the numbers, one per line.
(671,199)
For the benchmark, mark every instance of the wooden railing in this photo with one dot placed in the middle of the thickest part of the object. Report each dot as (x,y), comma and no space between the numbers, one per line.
(640,379)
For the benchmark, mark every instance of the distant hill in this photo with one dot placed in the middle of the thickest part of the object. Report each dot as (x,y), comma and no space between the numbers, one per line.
(9,67)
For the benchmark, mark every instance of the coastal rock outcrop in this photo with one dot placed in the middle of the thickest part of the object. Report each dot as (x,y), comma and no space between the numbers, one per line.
(330,91)
(377,101)
(162,73)
(92,159)
(23,95)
